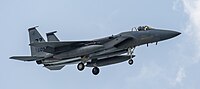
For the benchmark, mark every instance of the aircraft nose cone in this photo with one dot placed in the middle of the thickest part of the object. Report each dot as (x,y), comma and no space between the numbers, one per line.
(173,33)
(167,34)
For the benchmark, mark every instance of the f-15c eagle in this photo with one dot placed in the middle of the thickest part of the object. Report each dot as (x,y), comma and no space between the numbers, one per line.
(55,54)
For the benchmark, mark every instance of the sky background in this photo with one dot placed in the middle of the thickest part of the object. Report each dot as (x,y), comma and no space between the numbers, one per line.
(172,64)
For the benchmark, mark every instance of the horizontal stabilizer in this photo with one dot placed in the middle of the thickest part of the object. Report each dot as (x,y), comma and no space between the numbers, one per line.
(55,67)
(26,58)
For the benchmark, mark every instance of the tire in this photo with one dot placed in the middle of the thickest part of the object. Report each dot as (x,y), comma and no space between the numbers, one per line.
(130,62)
(95,70)
(80,66)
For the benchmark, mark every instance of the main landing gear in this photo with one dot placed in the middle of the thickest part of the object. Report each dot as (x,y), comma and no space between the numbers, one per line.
(80,66)
(95,70)
(130,53)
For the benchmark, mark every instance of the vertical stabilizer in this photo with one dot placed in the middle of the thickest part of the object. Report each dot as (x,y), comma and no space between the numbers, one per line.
(51,36)
(35,37)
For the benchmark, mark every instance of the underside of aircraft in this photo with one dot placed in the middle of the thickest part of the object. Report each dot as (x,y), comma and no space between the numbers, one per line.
(55,54)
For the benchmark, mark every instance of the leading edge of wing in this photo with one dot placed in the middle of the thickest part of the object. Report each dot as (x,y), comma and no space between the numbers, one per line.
(59,44)
(25,58)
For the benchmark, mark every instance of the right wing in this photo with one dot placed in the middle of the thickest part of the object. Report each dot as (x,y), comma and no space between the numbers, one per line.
(26,58)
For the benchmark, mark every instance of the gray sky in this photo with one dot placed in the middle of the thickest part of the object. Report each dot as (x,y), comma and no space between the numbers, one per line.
(172,64)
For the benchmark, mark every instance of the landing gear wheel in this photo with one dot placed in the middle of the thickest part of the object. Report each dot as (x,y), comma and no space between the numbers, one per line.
(80,66)
(130,62)
(95,70)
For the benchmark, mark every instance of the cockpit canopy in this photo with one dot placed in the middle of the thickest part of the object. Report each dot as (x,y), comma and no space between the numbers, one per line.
(143,28)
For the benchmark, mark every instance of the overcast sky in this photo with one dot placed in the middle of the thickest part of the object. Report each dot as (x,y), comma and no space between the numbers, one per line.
(172,64)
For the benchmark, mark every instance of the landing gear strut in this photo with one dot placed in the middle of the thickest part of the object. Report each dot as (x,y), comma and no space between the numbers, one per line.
(95,70)
(130,53)
(80,66)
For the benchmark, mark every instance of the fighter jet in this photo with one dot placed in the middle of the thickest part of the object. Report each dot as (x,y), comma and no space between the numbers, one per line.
(55,54)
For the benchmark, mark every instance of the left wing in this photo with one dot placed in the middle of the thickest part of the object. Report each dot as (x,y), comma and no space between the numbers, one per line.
(60,65)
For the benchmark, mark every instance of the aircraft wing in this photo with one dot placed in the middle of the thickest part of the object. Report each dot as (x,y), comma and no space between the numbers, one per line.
(25,58)
(60,44)
(60,65)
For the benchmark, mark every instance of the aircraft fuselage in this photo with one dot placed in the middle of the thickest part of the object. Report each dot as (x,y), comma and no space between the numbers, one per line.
(55,54)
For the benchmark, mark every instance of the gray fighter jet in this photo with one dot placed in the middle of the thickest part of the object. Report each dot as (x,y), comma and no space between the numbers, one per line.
(55,54)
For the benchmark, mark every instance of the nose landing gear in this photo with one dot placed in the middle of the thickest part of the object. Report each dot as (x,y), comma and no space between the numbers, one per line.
(130,53)
(130,62)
